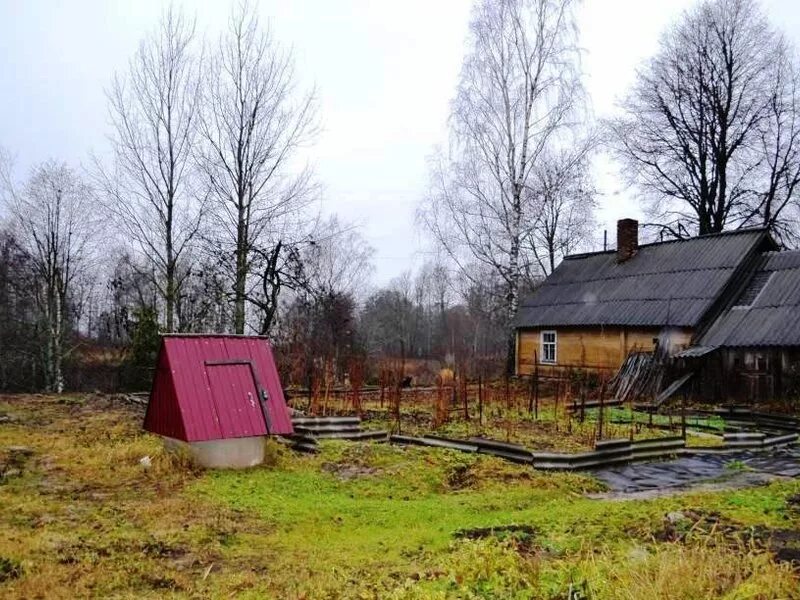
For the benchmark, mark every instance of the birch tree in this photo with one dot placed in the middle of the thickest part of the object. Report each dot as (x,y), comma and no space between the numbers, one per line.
(151,189)
(254,122)
(519,95)
(52,217)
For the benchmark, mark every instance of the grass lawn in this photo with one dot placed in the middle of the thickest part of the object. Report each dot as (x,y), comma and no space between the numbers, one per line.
(82,517)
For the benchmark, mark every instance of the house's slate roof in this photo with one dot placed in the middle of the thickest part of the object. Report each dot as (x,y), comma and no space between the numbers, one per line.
(773,319)
(668,283)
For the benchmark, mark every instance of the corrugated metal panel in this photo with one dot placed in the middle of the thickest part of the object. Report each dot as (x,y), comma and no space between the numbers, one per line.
(695,352)
(194,399)
(774,317)
(671,283)
(163,412)
(235,400)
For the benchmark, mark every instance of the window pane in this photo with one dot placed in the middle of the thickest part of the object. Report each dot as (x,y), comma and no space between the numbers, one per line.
(548,343)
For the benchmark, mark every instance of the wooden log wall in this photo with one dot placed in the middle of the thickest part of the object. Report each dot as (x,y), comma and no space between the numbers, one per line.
(601,349)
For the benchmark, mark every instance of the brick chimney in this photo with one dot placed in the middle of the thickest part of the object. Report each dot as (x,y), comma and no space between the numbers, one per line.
(627,239)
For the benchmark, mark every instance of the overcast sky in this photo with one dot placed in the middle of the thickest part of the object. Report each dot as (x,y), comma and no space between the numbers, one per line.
(385,72)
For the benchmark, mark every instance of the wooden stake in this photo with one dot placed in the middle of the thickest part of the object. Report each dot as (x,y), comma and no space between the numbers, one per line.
(683,415)
(530,396)
(480,400)
(600,410)
(555,405)
(464,397)
(583,405)
(535,386)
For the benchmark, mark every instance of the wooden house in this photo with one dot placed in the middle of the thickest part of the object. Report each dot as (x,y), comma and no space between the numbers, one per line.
(595,308)
(752,350)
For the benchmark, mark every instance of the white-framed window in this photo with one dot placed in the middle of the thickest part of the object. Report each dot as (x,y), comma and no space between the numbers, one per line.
(549,351)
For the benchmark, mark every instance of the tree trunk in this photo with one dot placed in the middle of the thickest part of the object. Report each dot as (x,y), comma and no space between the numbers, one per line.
(512,297)
(170,291)
(239,285)
(55,350)
(169,297)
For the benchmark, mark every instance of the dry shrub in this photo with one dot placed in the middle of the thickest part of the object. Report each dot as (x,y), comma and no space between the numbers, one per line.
(275,453)
(176,462)
(678,572)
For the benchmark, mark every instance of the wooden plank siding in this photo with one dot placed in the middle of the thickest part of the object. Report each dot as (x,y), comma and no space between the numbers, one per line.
(597,348)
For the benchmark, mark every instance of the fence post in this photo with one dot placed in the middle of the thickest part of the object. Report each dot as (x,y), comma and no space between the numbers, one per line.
(683,415)
(555,404)
(464,392)
(583,404)
(600,410)
(535,386)
(480,400)
(508,396)
(396,407)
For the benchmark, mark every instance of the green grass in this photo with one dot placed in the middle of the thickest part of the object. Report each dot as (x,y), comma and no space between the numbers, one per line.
(83,519)
(409,503)
(398,522)
(619,414)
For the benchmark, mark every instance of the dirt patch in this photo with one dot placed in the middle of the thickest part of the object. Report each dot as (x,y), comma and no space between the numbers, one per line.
(783,543)
(91,550)
(9,569)
(13,460)
(522,537)
(345,472)
(681,526)
(159,549)
(459,476)
(156,582)
(694,524)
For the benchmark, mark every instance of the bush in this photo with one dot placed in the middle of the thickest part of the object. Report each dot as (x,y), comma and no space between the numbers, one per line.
(137,371)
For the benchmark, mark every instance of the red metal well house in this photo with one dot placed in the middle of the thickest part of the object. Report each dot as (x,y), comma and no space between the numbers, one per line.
(218,394)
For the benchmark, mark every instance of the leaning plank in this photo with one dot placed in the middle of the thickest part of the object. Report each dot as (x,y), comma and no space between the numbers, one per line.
(672,389)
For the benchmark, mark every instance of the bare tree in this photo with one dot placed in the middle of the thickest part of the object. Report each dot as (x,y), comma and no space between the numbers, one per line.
(151,189)
(281,268)
(775,204)
(388,319)
(518,96)
(253,124)
(52,217)
(709,131)
(332,259)
(20,339)
(339,260)
(433,294)
(562,194)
